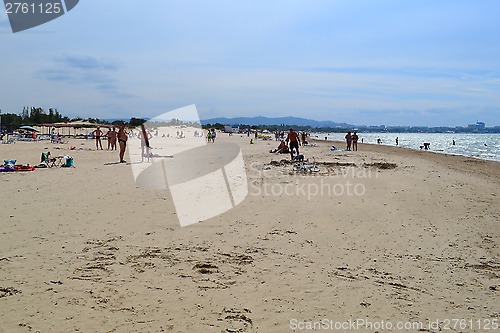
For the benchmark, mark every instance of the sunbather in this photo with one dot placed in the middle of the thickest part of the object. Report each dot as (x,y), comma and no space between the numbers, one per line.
(282,148)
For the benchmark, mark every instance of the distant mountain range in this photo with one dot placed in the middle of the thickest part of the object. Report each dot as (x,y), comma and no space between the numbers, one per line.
(292,121)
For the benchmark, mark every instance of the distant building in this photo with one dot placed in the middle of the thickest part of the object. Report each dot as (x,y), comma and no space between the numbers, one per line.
(478,126)
(231,129)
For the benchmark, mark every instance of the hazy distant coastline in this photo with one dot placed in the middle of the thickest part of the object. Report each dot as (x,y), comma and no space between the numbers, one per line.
(334,127)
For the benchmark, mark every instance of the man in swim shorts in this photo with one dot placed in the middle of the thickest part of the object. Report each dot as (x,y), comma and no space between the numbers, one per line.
(293,138)
(97,134)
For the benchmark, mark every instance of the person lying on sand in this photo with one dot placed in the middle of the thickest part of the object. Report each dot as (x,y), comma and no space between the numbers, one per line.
(282,148)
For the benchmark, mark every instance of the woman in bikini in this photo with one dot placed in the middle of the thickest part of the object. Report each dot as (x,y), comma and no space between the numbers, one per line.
(122,140)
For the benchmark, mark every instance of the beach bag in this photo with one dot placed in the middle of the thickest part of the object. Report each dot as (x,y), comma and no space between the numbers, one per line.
(68,161)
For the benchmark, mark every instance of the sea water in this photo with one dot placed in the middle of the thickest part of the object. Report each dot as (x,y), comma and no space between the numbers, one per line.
(484,146)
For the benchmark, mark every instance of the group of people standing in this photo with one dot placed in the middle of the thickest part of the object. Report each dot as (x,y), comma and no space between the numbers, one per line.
(112,136)
(352,141)
(211,135)
(121,136)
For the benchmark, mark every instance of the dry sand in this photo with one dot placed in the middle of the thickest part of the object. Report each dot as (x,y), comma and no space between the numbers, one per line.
(85,250)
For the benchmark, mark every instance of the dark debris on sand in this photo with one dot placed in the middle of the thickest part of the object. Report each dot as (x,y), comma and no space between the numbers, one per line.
(378,165)
(381,165)
(8,291)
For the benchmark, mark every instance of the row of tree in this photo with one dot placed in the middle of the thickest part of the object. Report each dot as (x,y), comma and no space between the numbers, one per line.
(33,116)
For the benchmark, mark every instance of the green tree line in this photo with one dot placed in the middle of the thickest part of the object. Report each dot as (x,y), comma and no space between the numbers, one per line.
(31,116)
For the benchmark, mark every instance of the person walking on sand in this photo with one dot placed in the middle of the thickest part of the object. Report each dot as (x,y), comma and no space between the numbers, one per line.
(355,138)
(348,139)
(293,138)
(97,134)
(122,140)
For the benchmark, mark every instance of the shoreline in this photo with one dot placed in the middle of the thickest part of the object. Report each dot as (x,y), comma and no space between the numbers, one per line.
(453,150)
(420,152)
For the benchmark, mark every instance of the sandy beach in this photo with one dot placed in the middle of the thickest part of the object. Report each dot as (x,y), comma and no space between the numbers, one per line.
(381,235)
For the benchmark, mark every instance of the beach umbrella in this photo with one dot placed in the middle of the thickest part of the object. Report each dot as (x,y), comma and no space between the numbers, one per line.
(28,128)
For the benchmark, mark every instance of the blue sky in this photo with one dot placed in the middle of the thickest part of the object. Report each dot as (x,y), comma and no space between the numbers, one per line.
(425,62)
